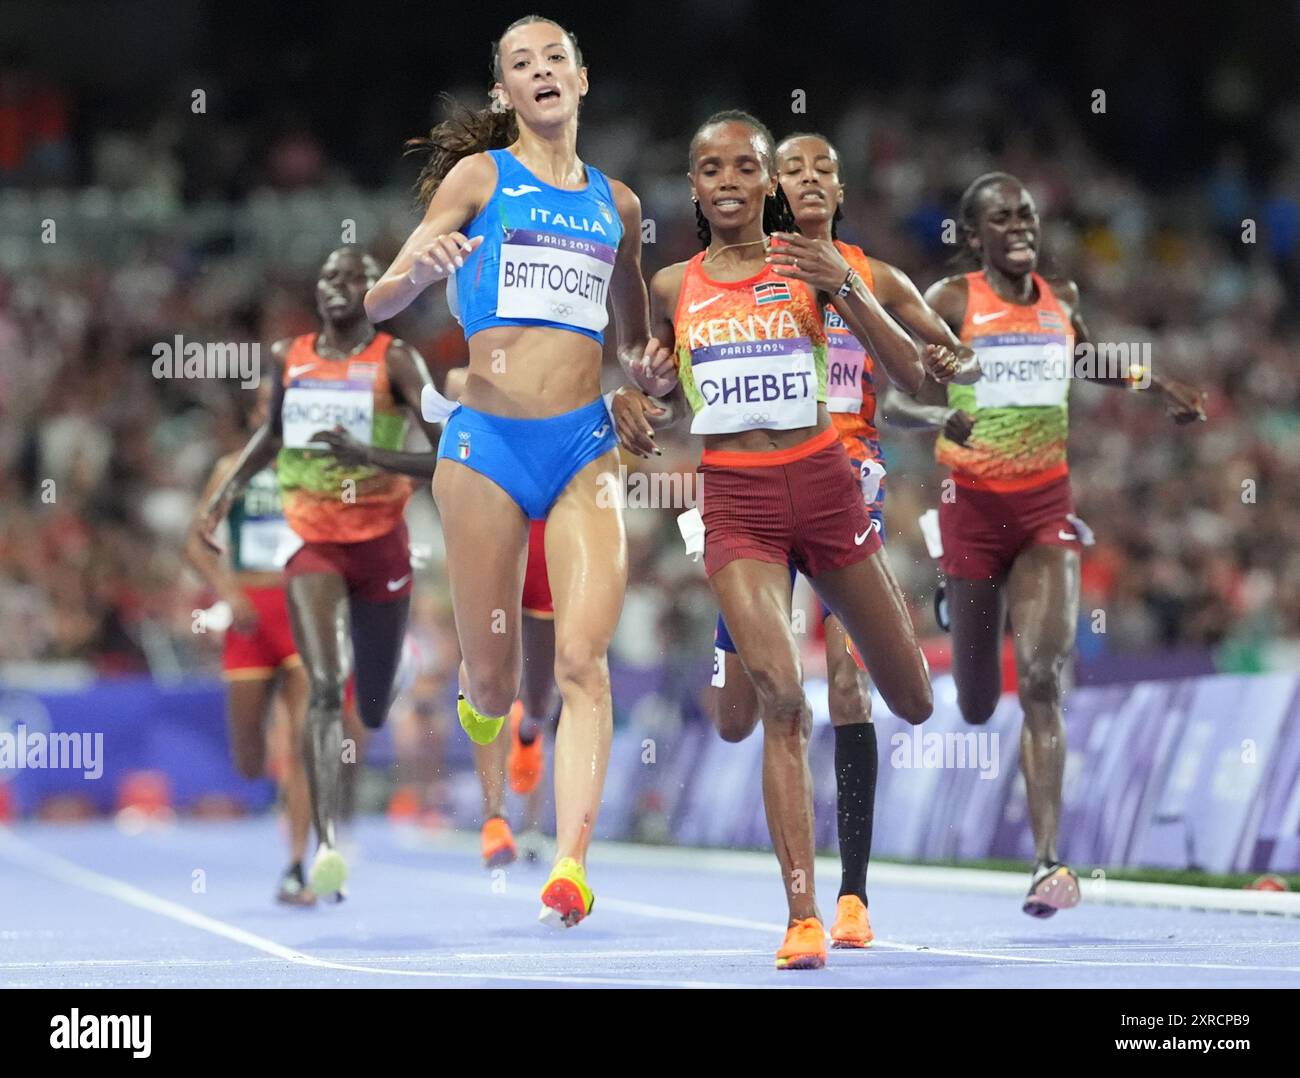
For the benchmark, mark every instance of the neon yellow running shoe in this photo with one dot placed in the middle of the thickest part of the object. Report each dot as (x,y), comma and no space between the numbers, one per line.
(328,871)
(566,898)
(482,729)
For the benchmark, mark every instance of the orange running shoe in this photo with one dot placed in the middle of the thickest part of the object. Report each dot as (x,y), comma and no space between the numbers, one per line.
(804,946)
(852,927)
(526,761)
(405,803)
(498,843)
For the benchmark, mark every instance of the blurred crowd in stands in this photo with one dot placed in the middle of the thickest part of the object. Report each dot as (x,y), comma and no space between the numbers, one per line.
(162,228)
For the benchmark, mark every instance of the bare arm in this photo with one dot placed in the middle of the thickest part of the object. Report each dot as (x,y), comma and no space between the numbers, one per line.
(408,375)
(211,566)
(901,299)
(454,384)
(259,452)
(636,413)
(1183,403)
(927,409)
(821,266)
(882,336)
(436,249)
(627,289)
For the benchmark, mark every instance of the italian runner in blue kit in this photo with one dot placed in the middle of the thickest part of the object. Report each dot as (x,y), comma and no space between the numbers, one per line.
(536,246)
(546,259)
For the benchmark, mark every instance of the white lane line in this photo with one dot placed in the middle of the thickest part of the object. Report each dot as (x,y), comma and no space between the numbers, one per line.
(64,871)
(1095,890)
(466,884)
(172,963)
(485,956)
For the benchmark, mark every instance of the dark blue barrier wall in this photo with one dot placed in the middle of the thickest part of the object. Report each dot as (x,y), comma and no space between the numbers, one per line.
(1201,771)
(180,730)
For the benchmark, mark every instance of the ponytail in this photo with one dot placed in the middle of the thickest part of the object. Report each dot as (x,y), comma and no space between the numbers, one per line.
(469,131)
(464,132)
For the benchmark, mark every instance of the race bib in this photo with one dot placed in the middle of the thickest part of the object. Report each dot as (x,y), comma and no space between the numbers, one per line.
(844,374)
(872,474)
(719,679)
(691,525)
(753,385)
(319,406)
(554,278)
(1023,370)
(266,544)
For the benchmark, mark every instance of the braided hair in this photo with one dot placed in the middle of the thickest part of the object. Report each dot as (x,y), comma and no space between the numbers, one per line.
(468,131)
(838,216)
(777,214)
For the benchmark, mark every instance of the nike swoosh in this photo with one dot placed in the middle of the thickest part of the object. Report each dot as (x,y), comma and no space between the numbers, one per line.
(1067,536)
(293,372)
(702,304)
(980,319)
(858,540)
(399,583)
(600,433)
(522,189)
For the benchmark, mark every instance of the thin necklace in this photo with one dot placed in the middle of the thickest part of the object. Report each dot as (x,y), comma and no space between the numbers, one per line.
(727,247)
(346,355)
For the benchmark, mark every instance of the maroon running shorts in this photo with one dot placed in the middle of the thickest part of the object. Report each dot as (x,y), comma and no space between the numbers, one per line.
(800,505)
(984,531)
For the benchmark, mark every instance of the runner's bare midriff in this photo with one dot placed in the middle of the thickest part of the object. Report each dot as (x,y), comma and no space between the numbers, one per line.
(531,372)
(764,441)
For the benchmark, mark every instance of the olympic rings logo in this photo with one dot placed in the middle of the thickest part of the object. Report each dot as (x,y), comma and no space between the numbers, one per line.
(755,417)
(561,310)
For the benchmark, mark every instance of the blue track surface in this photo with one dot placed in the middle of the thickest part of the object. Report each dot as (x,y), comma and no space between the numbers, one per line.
(87,905)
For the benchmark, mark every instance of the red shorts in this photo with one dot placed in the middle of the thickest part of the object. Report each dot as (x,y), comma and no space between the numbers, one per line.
(375,570)
(800,505)
(260,653)
(984,531)
(537,586)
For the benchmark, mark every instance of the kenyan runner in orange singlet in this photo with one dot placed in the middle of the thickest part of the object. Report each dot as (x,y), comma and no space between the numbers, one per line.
(746,318)
(810,177)
(340,404)
(1011,541)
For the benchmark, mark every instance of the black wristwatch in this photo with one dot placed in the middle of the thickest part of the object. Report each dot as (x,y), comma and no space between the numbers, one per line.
(846,289)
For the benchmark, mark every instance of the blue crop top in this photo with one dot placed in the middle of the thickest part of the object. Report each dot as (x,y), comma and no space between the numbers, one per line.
(546,258)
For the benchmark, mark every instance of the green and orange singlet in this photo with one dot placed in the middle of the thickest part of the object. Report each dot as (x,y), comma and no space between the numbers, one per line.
(752,354)
(325,501)
(1020,402)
